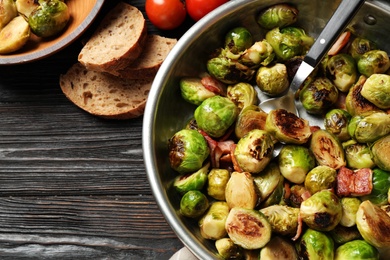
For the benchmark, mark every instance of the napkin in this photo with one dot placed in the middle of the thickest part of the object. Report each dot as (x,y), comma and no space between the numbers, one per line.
(183,254)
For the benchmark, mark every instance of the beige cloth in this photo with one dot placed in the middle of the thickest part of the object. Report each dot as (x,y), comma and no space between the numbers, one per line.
(183,254)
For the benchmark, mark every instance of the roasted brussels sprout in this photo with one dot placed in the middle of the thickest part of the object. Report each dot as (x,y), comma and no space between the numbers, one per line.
(356,249)
(350,206)
(369,127)
(359,46)
(217,181)
(373,224)
(229,71)
(238,39)
(278,248)
(242,94)
(377,90)
(212,223)
(187,151)
(287,127)
(342,234)
(283,219)
(8,12)
(322,211)
(380,151)
(296,197)
(193,91)
(26,7)
(315,245)
(14,35)
(372,62)
(267,181)
(327,149)
(50,18)
(306,41)
(358,155)
(193,204)
(276,196)
(273,80)
(260,53)
(319,95)
(341,69)
(295,162)
(320,178)
(254,151)
(191,181)
(241,191)
(336,122)
(279,15)
(380,187)
(228,250)
(250,117)
(248,228)
(215,115)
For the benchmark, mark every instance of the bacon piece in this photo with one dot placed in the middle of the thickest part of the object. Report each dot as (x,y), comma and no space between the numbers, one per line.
(299,228)
(213,85)
(344,178)
(340,43)
(305,195)
(354,183)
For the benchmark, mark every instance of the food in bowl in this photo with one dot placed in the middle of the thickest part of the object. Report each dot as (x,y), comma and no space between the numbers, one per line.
(261,192)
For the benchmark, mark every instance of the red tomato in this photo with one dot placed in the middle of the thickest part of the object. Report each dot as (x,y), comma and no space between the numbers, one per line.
(199,8)
(166,14)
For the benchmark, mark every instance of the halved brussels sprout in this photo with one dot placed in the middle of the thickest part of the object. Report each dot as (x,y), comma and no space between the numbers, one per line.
(193,91)
(273,80)
(229,71)
(372,62)
(191,181)
(358,155)
(327,149)
(342,234)
(295,162)
(356,249)
(350,206)
(248,228)
(380,151)
(212,223)
(315,245)
(251,117)
(359,46)
(287,127)
(377,90)
(341,69)
(228,250)
(260,53)
(278,248)
(370,127)
(26,7)
(380,187)
(242,94)
(238,39)
(296,197)
(279,15)
(254,151)
(8,12)
(240,191)
(217,181)
(320,178)
(373,224)
(187,151)
(276,196)
(286,45)
(322,211)
(283,219)
(193,204)
(267,181)
(215,115)
(336,122)
(14,35)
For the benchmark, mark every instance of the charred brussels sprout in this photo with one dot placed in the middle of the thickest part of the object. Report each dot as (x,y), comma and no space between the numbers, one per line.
(380,187)
(273,80)
(238,39)
(358,155)
(356,249)
(377,90)
(191,181)
(341,68)
(242,94)
(215,115)
(267,181)
(322,211)
(251,117)
(248,228)
(193,204)
(287,127)
(278,248)
(372,62)
(320,178)
(369,127)
(350,206)
(373,224)
(342,234)
(49,18)
(336,122)
(193,91)
(187,151)
(283,219)
(279,15)
(217,181)
(254,151)
(359,46)
(296,195)
(327,149)
(380,151)
(319,95)
(295,162)
(315,245)
(228,250)
(229,71)
(212,224)
(8,12)
(241,191)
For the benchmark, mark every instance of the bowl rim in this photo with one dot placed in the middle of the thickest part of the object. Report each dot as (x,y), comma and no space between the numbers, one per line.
(58,45)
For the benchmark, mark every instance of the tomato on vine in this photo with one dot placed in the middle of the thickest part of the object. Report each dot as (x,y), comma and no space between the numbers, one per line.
(166,14)
(199,8)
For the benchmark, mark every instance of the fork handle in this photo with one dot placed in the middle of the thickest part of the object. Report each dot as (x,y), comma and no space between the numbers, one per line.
(335,26)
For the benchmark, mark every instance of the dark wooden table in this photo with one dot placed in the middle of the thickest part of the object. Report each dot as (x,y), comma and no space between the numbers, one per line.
(73,186)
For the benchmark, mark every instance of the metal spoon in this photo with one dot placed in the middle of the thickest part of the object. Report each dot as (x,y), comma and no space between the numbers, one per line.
(335,26)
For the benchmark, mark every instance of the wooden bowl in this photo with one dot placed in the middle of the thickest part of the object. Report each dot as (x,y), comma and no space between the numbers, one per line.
(82,12)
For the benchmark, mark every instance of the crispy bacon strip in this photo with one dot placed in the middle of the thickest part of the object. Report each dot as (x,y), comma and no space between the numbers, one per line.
(213,85)
(354,183)
(340,43)
(299,228)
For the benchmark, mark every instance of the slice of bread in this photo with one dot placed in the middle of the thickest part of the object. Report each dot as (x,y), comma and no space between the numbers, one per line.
(155,51)
(103,94)
(117,41)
